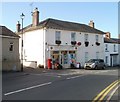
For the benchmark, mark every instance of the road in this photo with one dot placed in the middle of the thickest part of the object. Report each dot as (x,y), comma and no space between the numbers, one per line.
(70,84)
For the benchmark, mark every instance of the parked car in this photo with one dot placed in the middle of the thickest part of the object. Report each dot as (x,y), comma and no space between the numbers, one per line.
(95,64)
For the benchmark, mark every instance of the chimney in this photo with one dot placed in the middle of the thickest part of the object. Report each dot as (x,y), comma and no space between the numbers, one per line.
(35,19)
(91,24)
(108,35)
(18,26)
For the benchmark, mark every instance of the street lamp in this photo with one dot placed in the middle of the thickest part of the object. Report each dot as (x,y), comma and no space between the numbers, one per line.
(22,17)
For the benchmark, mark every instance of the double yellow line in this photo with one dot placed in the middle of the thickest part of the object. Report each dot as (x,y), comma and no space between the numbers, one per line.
(104,93)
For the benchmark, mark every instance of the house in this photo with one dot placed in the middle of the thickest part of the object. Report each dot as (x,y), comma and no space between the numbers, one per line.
(61,41)
(9,55)
(112,54)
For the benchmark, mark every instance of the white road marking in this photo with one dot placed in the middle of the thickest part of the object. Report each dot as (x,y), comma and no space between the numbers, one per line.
(28,88)
(74,77)
(108,99)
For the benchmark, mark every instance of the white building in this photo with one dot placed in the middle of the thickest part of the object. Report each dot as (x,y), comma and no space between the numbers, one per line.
(112,54)
(9,52)
(61,41)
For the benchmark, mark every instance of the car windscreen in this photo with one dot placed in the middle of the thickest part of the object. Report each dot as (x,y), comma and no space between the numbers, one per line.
(92,60)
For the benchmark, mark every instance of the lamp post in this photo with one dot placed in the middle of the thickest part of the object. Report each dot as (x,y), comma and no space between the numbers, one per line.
(22,17)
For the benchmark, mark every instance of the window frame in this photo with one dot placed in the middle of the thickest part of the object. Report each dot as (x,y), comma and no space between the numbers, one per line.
(86,37)
(57,35)
(97,38)
(73,36)
(11,46)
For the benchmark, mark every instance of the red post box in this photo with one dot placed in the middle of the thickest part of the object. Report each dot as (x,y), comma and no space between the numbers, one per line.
(49,63)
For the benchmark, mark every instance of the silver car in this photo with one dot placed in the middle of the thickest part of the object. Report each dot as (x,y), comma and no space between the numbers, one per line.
(95,64)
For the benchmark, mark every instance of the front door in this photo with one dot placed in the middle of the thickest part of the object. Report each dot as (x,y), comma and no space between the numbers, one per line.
(64,59)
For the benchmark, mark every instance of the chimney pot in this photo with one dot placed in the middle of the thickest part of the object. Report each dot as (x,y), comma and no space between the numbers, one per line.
(91,24)
(108,35)
(18,26)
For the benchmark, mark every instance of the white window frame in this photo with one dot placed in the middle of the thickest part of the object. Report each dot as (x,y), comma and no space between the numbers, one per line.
(114,47)
(86,37)
(57,35)
(106,47)
(106,59)
(73,36)
(97,38)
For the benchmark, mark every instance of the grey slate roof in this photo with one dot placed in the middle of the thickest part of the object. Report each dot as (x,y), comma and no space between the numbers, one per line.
(64,25)
(112,40)
(7,32)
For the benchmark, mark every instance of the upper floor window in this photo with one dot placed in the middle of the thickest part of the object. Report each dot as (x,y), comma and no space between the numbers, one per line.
(73,36)
(96,38)
(11,47)
(86,37)
(106,47)
(114,48)
(57,35)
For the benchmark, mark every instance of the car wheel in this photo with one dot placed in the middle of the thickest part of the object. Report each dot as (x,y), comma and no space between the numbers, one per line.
(96,67)
(103,67)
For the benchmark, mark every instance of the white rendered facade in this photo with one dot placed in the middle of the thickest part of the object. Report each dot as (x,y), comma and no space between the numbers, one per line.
(39,46)
(111,54)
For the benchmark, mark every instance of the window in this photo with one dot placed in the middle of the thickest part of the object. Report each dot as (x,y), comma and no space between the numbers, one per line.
(86,56)
(106,47)
(11,47)
(97,38)
(97,55)
(114,48)
(106,59)
(86,37)
(73,36)
(57,35)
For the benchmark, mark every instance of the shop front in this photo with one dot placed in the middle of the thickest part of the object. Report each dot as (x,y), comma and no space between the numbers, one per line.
(63,57)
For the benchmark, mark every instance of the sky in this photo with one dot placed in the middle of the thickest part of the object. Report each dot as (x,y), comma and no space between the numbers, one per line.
(104,14)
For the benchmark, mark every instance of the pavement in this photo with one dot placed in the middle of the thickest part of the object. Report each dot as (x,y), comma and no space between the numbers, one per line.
(30,70)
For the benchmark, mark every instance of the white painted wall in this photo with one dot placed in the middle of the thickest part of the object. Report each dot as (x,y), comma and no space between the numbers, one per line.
(111,51)
(66,38)
(33,46)
(37,45)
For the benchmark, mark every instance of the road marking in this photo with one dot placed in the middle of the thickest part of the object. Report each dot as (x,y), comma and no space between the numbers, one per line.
(103,96)
(28,88)
(102,92)
(108,99)
(74,77)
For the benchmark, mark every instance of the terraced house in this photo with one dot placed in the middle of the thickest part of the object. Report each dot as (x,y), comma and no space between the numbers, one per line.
(61,41)
(112,50)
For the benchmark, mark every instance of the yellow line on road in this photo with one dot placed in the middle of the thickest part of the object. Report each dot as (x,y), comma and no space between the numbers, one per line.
(103,96)
(102,92)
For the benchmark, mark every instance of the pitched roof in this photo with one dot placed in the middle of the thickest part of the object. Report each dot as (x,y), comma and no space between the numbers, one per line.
(112,40)
(7,32)
(64,25)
